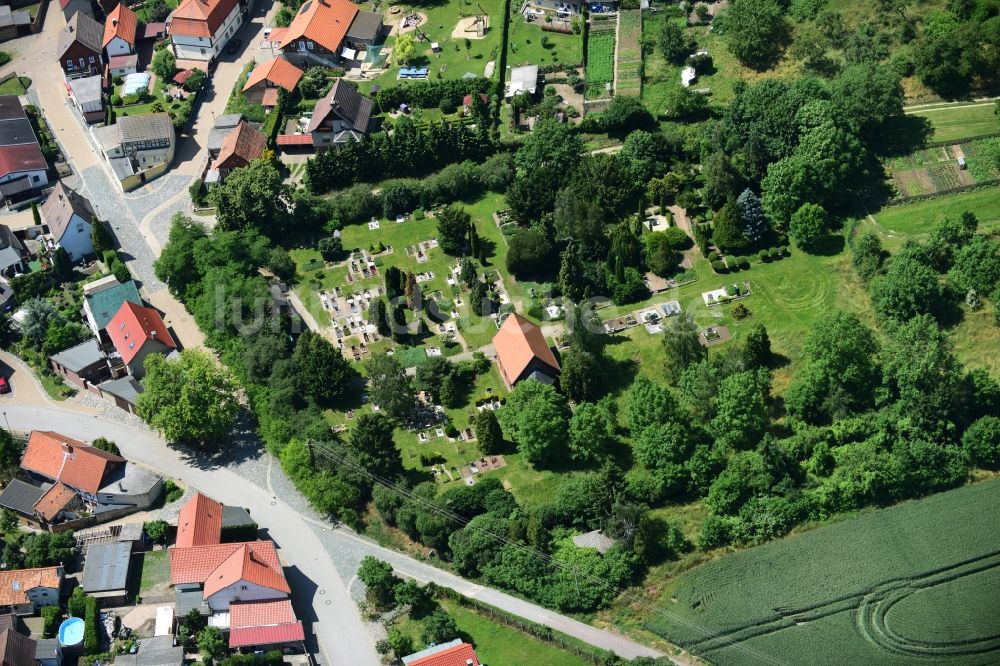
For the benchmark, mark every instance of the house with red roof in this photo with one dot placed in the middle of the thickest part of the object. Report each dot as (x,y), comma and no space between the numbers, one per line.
(241,584)
(241,146)
(522,352)
(136,332)
(267,78)
(57,458)
(452,653)
(120,30)
(320,30)
(22,165)
(200,29)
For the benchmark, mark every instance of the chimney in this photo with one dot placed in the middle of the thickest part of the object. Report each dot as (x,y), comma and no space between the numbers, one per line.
(67,448)
(152,335)
(114,23)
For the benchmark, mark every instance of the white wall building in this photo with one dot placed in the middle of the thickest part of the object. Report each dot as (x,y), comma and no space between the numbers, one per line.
(200,29)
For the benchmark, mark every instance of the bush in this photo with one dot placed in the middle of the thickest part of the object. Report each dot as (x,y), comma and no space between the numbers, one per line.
(742,262)
(50,620)
(719,267)
(713,256)
(4,58)
(116,100)
(330,247)
(419,214)
(91,637)
(172,491)
(157,530)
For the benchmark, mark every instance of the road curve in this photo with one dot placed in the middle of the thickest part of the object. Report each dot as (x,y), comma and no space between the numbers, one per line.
(344,638)
(337,624)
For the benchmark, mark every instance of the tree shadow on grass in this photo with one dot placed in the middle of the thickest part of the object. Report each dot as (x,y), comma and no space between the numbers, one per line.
(902,135)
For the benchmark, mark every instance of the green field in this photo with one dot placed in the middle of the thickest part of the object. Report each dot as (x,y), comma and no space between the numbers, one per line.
(155,576)
(889,587)
(919,219)
(527,44)
(957,122)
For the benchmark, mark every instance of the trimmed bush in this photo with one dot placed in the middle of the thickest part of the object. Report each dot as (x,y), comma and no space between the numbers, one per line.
(713,256)
(719,267)
(50,620)
(743,262)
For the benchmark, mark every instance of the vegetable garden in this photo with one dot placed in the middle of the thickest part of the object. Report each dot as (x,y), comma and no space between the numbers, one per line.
(894,585)
(600,59)
(629,53)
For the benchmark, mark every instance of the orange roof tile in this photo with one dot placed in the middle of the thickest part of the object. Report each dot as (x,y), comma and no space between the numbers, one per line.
(14,585)
(200,18)
(324,22)
(199,522)
(292,632)
(518,343)
(54,500)
(244,614)
(196,564)
(269,99)
(458,655)
(122,22)
(244,565)
(133,326)
(240,147)
(61,458)
(279,72)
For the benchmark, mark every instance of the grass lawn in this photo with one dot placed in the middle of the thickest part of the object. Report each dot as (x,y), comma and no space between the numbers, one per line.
(961,121)
(143,12)
(525,45)
(156,94)
(155,571)
(916,220)
(12,86)
(495,642)
(454,59)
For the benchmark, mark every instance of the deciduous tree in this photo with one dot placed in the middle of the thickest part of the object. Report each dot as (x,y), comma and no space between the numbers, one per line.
(536,418)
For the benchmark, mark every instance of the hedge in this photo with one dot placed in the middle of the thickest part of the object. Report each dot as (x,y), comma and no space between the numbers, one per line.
(91,637)
(428,94)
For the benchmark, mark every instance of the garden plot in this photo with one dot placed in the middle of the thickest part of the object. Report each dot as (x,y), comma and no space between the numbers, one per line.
(600,59)
(629,53)
(929,171)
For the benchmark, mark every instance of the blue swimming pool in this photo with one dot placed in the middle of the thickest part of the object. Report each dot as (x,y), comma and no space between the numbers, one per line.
(71,631)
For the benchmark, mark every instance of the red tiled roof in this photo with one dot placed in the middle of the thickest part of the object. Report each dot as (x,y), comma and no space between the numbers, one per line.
(453,656)
(65,459)
(21,157)
(54,500)
(272,635)
(518,343)
(277,35)
(133,326)
(200,18)
(240,147)
(244,565)
(294,140)
(183,75)
(120,61)
(279,71)
(467,100)
(122,22)
(324,22)
(199,522)
(243,614)
(196,564)
(15,584)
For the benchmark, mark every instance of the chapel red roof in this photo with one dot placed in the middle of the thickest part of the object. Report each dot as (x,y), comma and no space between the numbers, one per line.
(518,343)
(61,458)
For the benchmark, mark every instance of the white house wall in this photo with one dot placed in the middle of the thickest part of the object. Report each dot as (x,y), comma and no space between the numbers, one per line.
(118,46)
(205,48)
(76,239)
(242,591)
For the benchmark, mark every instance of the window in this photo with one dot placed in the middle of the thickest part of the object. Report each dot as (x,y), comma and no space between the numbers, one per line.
(203,51)
(35,179)
(82,62)
(91,60)
(131,345)
(79,228)
(69,63)
(122,327)
(310,45)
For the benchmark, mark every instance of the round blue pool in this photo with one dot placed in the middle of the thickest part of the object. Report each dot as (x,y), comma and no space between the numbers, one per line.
(71,631)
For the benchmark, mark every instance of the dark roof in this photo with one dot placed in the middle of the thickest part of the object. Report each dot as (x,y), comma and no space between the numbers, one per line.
(106,567)
(80,357)
(10,621)
(17,132)
(59,208)
(21,497)
(365,27)
(127,388)
(83,29)
(106,303)
(15,649)
(345,101)
(46,648)
(156,651)
(236,516)
(190,598)
(10,108)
